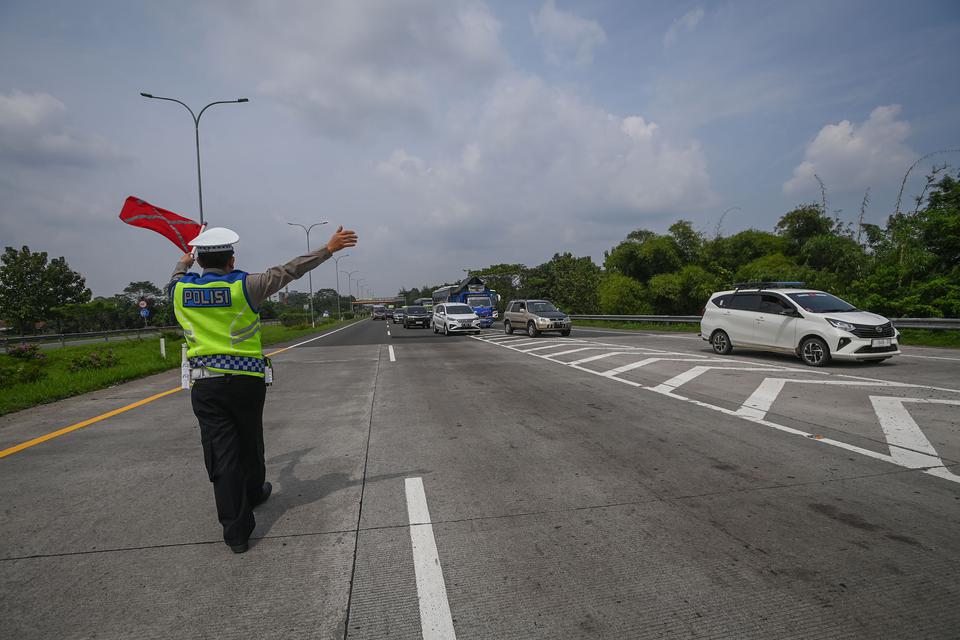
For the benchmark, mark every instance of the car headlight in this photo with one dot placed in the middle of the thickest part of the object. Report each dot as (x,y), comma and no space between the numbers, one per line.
(543,321)
(840,324)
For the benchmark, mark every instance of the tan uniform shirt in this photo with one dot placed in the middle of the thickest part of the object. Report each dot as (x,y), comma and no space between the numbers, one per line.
(261,286)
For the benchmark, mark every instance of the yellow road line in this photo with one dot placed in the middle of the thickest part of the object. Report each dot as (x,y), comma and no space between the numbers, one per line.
(85,423)
(139,403)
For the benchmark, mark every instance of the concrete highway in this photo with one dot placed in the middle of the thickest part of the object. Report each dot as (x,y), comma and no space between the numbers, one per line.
(605,485)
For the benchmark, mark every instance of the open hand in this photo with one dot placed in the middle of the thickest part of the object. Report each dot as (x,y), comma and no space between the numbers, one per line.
(342,239)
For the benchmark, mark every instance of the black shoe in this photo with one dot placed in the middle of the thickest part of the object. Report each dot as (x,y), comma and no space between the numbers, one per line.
(240,548)
(265,492)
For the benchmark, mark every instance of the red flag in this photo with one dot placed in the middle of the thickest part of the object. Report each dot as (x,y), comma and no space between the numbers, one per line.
(177,229)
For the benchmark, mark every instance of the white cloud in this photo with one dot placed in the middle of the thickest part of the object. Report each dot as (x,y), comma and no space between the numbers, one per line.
(355,67)
(566,36)
(539,160)
(850,156)
(32,132)
(684,24)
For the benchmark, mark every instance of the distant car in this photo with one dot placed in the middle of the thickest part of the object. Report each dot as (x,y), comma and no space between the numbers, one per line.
(415,316)
(398,316)
(379,313)
(326,314)
(535,317)
(390,313)
(815,325)
(457,317)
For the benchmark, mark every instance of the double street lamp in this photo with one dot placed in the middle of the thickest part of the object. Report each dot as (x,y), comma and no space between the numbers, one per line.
(309,273)
(196,129)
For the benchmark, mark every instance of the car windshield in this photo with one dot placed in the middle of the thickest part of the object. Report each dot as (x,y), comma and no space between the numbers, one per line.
(458,309)
(416,310)
(541,306)
(819,302)
(479,301)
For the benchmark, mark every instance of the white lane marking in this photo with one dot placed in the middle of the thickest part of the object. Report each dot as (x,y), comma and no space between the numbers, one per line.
(436,623)
(329,333)
(642,363)
(678,381)
(938,471)
(393,356)
(546,346)
(908,446)
(913,355)
(763,397)
(601,356)
(388,331)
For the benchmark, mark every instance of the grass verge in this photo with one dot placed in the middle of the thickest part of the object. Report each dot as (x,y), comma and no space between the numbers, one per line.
(909,337)
(677,327)
(133,359)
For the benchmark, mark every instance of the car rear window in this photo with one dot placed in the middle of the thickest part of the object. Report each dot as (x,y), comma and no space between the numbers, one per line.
(722,301)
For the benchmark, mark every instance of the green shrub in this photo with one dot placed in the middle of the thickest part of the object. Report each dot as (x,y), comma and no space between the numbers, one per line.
(295,319)
(348,315)
(171,335)
(93,360)
(21,373)
(25,351)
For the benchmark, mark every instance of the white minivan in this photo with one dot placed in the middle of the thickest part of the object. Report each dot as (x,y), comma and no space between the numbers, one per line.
(455,317)
(815,325)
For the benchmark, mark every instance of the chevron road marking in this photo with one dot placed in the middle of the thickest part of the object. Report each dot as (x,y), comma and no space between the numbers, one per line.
(908,445)
(760,401)
(909,448)
(695,372)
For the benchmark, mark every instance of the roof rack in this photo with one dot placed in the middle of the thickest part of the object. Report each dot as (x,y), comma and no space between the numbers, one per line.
(766,284)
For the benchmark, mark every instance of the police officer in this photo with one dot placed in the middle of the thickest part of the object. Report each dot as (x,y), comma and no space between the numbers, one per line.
(218,311)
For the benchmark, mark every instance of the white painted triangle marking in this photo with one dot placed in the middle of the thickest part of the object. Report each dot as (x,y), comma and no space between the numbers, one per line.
(908,444)
(760,401)
(642,363)
(679,380)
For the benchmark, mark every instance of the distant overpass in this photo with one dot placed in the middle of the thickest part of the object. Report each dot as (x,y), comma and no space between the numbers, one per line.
(387,302)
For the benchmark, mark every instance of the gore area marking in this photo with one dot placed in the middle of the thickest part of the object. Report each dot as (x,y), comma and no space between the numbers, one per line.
(393,356)
(909,447)
(436,623)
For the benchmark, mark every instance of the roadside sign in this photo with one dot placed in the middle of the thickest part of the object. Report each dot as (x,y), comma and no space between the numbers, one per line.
(144,313)
(142,304)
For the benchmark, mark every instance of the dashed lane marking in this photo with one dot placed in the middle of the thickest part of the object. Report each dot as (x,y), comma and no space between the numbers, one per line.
(393,356)
(436,623)
(139,403)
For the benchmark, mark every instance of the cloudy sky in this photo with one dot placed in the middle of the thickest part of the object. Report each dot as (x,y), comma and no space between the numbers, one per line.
(454,134)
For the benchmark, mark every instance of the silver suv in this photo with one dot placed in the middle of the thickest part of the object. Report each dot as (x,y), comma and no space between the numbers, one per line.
(534,317)
(784,316)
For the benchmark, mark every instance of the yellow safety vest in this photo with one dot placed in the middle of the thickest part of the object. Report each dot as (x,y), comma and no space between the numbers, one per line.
(222,329)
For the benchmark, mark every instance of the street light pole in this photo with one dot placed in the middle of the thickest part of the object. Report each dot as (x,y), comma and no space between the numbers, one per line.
(336,261)
(196,132)
(306,230)
(350,285)
(359,280)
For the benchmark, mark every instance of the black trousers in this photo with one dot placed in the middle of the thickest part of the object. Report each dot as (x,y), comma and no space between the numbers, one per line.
(230,412)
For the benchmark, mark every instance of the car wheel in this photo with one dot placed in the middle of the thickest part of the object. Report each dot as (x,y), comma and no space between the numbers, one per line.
(720,342)
(446,329)
(532,330)
(507,327)
(434,326)
(814,352)
(565,333)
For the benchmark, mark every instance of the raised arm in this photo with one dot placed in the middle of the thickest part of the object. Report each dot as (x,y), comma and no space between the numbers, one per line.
(260,286)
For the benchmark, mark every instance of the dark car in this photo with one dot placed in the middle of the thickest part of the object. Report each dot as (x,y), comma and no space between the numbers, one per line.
(416,316)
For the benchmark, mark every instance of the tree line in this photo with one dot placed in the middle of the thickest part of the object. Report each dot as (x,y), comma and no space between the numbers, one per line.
(907,267)
(42,295)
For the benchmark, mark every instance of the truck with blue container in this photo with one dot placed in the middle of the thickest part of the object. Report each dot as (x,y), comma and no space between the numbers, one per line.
(474,293)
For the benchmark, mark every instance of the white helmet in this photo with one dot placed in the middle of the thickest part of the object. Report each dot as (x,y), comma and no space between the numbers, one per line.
(215,239)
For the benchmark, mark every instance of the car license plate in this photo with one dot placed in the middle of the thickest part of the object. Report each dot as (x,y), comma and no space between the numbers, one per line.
(880,342)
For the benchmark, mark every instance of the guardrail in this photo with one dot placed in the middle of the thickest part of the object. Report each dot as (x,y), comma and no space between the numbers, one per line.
(937,324)
(63,338)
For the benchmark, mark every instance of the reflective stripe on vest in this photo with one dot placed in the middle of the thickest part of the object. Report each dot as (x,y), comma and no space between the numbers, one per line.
(218,322)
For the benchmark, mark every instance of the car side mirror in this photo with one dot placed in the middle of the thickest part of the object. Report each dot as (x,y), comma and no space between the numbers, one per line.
(789,312)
